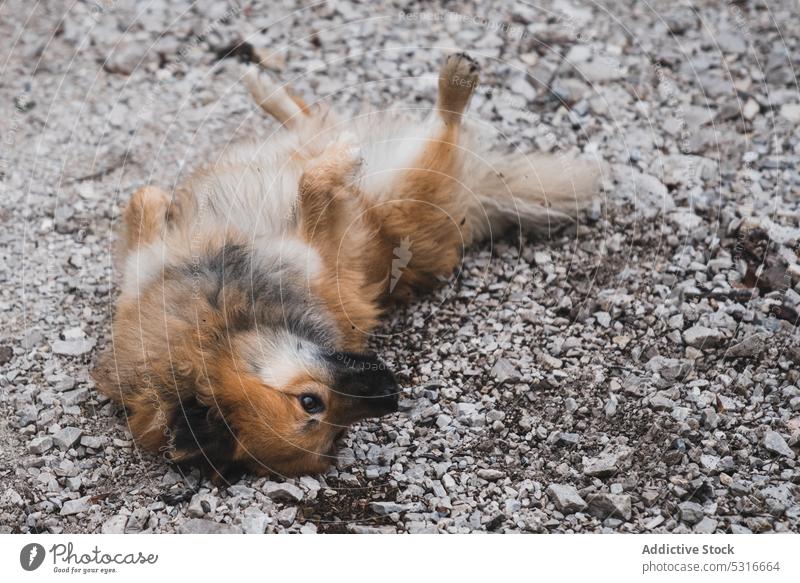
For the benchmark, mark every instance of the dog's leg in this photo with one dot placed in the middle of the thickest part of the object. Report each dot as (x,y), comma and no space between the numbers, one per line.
(274,99)
(421,221)
(144,218)
(457,81)
(331,219)
(326,183)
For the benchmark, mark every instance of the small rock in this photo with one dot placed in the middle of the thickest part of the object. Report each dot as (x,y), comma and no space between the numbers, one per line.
(650,496)
(681,19)
(126,57)
(443,421)
(254,521)
(201,504)
(680,169)
(346,457)
(610,408)
(241,491)
(791,111)
(751,109)
(774,442)
(611,505)
(750,347)
(730,42)
(311,484)
(137,521)
(607,463)
(571,405)
(654,522)
(705,526)
(363,529)
(566,498)
(33,337)
(13,497)
(205,526)
(490,475)
(566,438)
(67,437)
(504,371)
(76,397)
(115,525)
(384,508)
(39,445)
(690,512)
(709,462)
(659,402)
(603,318)
(71,507)
(521,86)
(27,414)
(62,383)
(703,337)
(93,442)
(669,368)
(74,347)
(287,515)
(283,491)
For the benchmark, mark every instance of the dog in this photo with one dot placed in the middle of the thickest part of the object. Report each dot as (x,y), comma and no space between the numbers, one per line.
(248,293)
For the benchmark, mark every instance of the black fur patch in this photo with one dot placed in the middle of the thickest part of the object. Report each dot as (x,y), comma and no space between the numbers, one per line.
(275,297)
(200,436)
(361,375)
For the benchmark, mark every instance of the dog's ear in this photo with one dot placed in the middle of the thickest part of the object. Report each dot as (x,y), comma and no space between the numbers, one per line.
(202,437)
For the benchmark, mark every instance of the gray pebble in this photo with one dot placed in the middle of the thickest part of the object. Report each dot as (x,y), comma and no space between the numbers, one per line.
(283,491)
(690,512)
(204,526)
(611,505)
(71,507)
(67,437)
(775,443)
(39,445)
(566,498)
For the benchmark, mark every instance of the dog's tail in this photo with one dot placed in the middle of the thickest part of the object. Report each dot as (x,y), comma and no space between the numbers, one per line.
(536,193)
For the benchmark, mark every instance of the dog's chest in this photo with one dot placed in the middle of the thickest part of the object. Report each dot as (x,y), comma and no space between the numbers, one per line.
(254,195)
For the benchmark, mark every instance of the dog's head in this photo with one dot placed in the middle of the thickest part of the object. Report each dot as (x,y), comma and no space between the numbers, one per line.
(298,399)
(228,364)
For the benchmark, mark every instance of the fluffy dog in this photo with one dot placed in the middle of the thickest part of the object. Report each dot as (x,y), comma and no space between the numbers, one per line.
(248,293)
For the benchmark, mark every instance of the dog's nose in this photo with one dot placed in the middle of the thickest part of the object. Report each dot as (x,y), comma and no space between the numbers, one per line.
(387,402)
(367,382)
(382,400)
(372,405)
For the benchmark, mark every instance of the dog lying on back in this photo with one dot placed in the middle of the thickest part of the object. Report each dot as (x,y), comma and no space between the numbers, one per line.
(248,292)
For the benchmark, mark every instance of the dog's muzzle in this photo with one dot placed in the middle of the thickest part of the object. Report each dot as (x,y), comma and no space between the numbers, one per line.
(382,402)
(366,382)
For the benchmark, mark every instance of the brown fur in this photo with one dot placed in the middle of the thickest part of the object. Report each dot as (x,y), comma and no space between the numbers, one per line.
(192,330)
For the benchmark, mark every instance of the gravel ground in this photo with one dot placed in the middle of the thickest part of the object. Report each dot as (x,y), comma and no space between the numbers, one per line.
(637,373)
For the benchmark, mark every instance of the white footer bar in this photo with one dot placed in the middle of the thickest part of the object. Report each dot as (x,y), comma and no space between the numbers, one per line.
(387,558)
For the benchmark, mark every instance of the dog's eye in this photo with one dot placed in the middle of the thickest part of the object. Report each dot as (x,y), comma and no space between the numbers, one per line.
(311,403)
